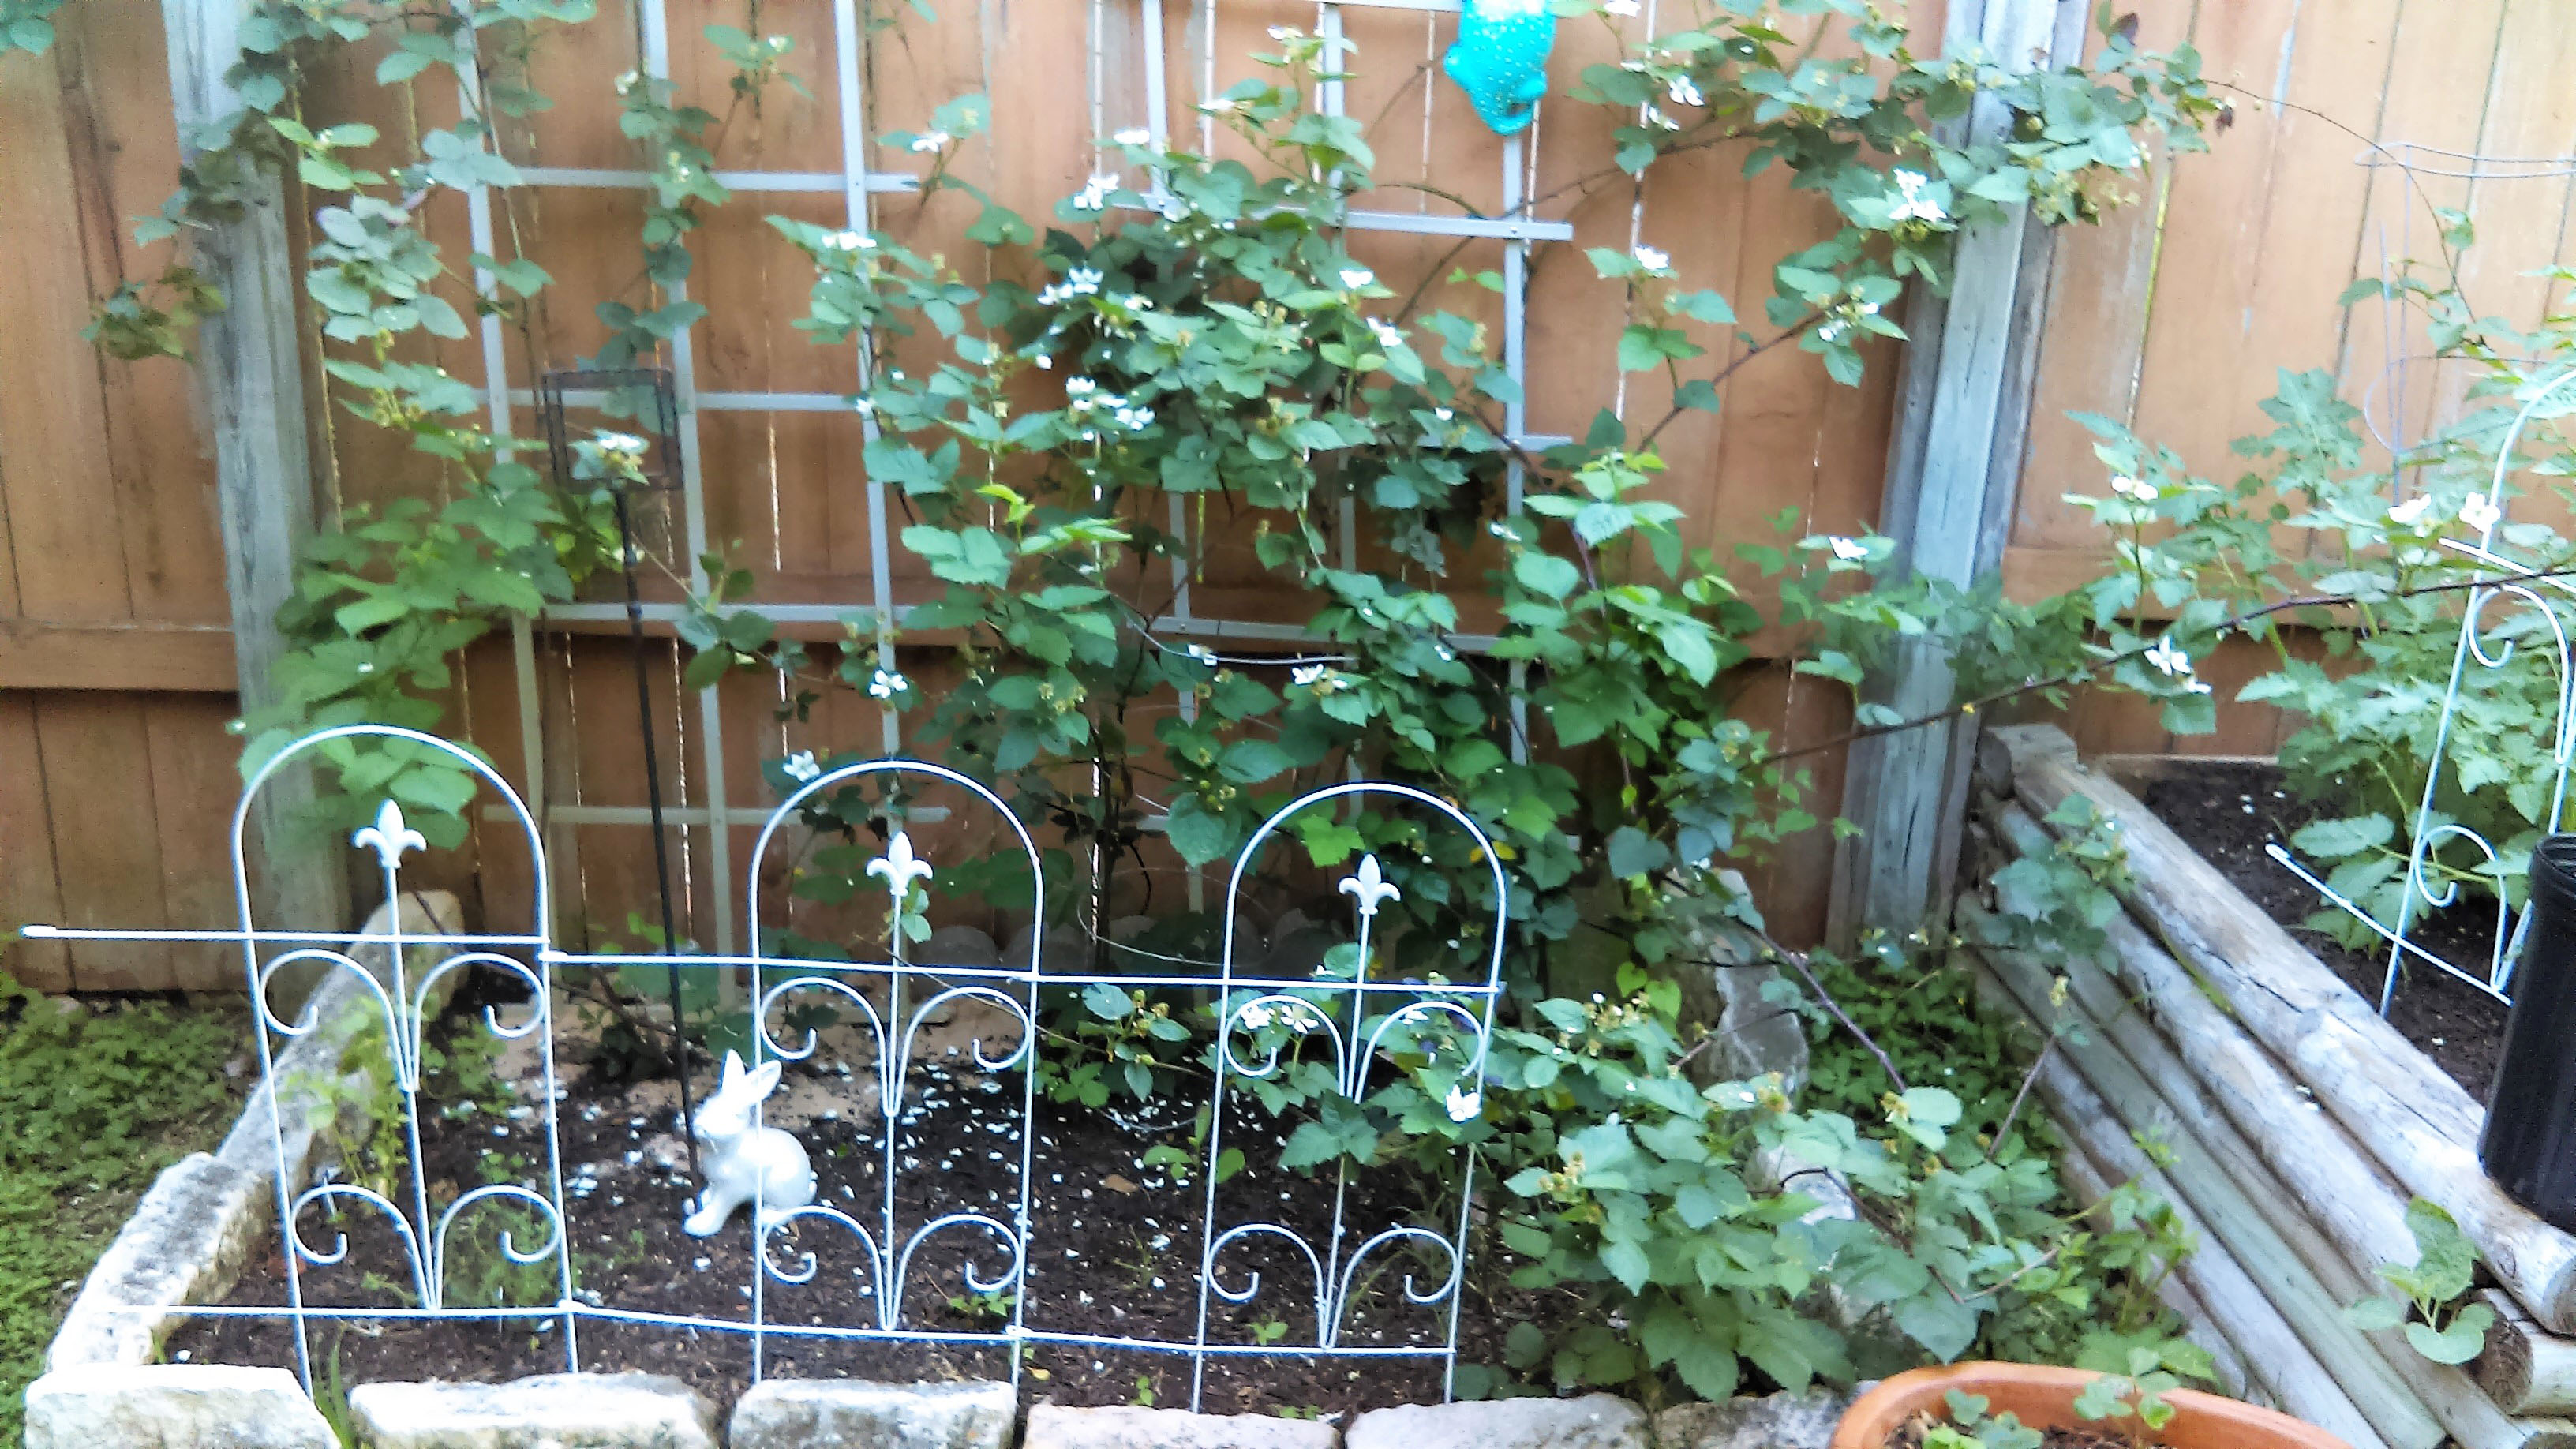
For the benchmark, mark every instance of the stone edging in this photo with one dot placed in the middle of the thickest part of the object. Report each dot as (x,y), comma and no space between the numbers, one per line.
(195,1227)
(201,1406)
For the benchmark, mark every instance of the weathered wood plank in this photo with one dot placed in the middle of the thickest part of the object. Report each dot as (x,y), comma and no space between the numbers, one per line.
(1950,481)
(2235,1095)
(30,888)
(195,784)
(2212,1190)
(140,654)
(100,813)
(251,369)
(2143,1074)
(124,150)
(2272,1351)
(2203,1326)
(54,464)
(2412,1118)
(2525,1368)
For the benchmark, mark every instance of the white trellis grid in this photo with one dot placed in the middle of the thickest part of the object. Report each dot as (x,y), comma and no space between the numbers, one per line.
(1513,228)
(1357,1018)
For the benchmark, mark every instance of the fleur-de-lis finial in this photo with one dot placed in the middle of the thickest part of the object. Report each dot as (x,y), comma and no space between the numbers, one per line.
(389,836)
(899,867)
(1369,886)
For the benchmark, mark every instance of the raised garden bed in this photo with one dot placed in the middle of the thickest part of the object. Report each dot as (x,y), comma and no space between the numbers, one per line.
(2230,810)
(1116,1226)
(2298,1122)
(1121,1238)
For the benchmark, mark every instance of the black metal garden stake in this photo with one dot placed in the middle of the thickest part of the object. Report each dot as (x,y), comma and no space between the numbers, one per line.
(656,384)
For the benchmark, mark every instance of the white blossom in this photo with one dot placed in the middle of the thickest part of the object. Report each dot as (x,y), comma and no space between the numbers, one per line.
(1464,1103)
(2175,664)
(1256,1016)
(1080,387)
(1202,654)
(929,141)
(1849,550)
(1912,204)
(1286,33)
(850,241)
(1218,107)
(1355,278)
(886,684)
(802,766)
(1044,362)
(1136,419)
(1656,118)
(1685,92)
(1096,192)
(621,443)
(1654,260)
(1388,335)
(2411,512)
(1083,280)
(1619,7)
(2138,489)
(1307,674)
(2480,514)
(627,82)
(1134,136)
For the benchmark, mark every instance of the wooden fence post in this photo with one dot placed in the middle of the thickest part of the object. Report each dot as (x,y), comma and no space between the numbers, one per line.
(1953,468)
(252,379)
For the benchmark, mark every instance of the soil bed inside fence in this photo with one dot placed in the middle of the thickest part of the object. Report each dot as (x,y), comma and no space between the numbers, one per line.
(1115,1253)
(2229,812)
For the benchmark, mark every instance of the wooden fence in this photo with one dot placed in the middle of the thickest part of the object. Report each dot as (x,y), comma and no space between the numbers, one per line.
(115,658)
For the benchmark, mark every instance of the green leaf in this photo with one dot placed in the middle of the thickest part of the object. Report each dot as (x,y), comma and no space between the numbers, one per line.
(1634,852)
(2463,1340)
(1197,835)
(1108,1002)
(2371,1315)
(1942,1324)
(1251,761)
(2447,1260)
(1931,1106)
(399,66)
(2335,839)
(1546,574)
(1689,645)
(1628,1263)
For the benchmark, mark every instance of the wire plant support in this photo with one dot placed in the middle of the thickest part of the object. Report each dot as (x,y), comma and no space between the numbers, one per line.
(647,395)
(2487,644)
(1355,1018)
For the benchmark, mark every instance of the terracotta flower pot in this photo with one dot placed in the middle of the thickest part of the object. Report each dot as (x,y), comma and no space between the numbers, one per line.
(2044,1398)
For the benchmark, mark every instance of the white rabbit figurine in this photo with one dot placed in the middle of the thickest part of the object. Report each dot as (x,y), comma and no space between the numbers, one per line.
(762,1166)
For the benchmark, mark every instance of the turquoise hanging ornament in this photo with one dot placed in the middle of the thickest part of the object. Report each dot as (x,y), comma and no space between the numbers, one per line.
(1500,60)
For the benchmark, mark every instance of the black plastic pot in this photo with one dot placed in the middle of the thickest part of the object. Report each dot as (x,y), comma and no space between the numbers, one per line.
(2529,1147)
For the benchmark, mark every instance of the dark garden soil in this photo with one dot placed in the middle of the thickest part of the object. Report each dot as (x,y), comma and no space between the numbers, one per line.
(1911,1434)
(2229,812)
(1115,1248)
